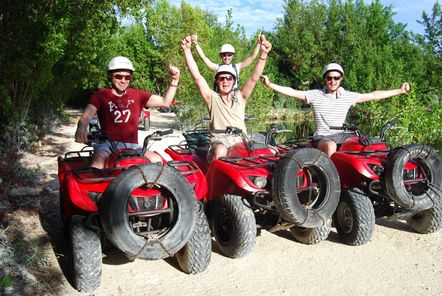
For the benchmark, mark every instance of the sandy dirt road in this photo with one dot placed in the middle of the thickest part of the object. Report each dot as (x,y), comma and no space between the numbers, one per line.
(396,261)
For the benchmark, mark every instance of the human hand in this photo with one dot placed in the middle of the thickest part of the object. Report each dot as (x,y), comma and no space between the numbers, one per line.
(266,46)
(405,87)
(194,38)
(259,37)
(265,80)
(81,135)
(174,72)
(186,43)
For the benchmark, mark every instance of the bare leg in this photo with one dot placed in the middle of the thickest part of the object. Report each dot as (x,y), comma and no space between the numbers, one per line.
(99,159)
(327,146)
(153,157)
(218,151)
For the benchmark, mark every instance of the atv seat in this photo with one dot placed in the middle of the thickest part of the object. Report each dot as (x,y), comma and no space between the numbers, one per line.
(202,151)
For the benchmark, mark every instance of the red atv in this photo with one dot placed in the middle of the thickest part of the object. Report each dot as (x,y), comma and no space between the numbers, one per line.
(147,210)
(297,190)
(376,180)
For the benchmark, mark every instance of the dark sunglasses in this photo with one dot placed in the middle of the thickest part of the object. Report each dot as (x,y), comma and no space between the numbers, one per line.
(120,77)
(222,78)
(226,54)
(335,78)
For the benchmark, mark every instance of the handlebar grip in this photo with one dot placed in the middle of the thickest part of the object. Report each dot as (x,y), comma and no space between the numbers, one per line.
(166,132)
(336,127)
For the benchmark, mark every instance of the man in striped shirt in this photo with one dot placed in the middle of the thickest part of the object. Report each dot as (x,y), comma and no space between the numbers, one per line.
(331,104)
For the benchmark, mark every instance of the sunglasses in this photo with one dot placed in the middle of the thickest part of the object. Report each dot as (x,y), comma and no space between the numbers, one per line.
(226,54)
(120,77)
(335,78)
(222,78)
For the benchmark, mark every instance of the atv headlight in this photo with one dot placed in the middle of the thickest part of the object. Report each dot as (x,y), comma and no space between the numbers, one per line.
(258,181)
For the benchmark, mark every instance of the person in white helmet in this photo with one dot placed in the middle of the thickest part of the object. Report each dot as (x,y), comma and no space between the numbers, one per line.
(226,106)
(226,53)
(331,104)
(119,108)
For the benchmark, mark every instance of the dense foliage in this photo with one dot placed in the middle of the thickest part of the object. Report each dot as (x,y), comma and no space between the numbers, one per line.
(55,52)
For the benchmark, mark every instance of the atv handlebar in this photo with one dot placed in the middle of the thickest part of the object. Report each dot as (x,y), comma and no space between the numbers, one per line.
(347,127)
(363,137)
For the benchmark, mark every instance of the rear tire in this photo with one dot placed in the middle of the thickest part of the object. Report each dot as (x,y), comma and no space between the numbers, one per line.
(427,221)
(311,236)
(355,218)
(194,257)
(86,256)
(233,225)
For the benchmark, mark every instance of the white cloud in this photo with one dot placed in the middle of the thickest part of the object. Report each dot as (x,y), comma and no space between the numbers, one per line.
(263,14)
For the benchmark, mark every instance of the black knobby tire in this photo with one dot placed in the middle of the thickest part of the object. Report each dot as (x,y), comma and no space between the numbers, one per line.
(65,222)
(409,194)
(427,221)
(306,206)
(311,236)
(233,225)
(86,256)
(354,218)
(171,226)
(195,256)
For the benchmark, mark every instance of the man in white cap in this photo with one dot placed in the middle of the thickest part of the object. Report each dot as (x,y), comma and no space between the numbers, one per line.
(331,104)
(226,105)
(226,53)
(119,108)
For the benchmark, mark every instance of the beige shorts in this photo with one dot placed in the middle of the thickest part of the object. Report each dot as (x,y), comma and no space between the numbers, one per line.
(227,140)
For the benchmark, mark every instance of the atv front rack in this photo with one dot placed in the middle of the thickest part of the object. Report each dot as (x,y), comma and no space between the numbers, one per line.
(252,162)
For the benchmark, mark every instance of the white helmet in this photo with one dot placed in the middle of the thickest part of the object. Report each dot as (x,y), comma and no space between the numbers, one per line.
(120,63)
(227,48)
(333,67)
(228,69)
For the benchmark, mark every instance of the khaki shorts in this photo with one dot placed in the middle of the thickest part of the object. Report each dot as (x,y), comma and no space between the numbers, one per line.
(227,140)
(338,138)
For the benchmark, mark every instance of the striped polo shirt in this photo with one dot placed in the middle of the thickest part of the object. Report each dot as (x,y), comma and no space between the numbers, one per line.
(330,109)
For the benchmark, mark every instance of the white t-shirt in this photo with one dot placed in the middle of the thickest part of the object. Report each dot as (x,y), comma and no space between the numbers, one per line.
(330,110)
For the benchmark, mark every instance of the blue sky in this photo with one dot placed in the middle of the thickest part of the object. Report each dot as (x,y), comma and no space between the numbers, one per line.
(262,14)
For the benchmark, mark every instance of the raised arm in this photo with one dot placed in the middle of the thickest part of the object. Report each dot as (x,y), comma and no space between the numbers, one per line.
(211,65)
(159,101)
(383,94)
(248,87)
(201,83)
(284,90)
(244,64)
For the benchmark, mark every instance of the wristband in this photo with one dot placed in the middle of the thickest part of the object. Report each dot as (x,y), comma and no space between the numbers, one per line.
(262,58)
(173,85)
